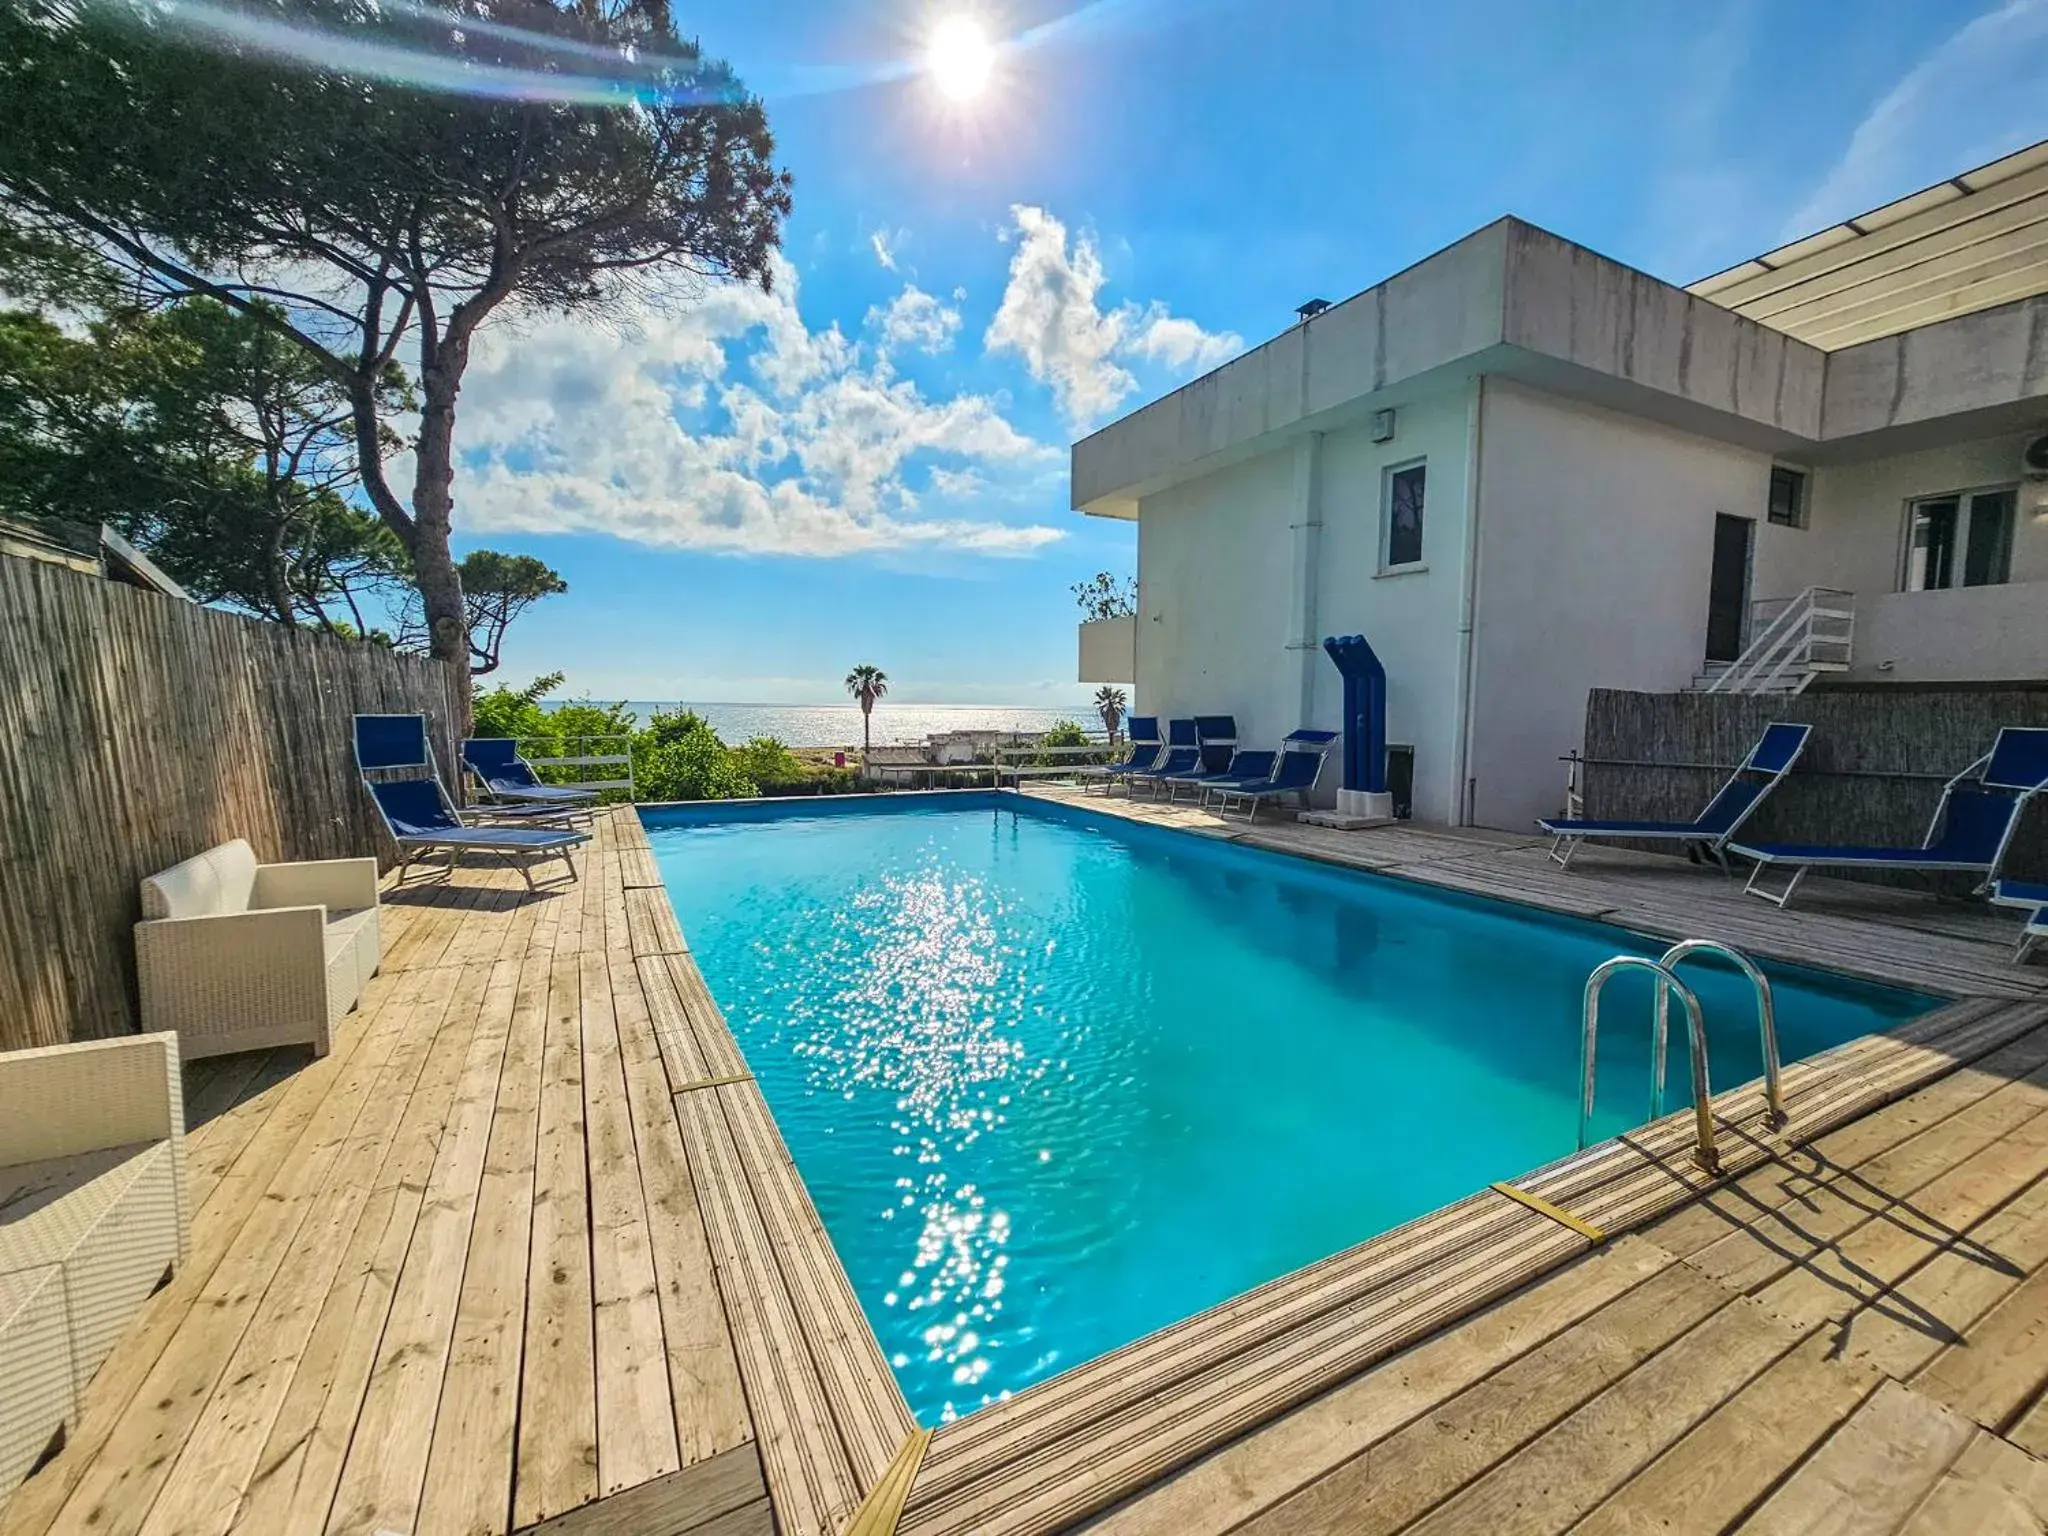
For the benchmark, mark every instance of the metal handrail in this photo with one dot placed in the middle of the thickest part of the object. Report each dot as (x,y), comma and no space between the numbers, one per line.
(1696,1037)
(1766,1014)
(1788,642)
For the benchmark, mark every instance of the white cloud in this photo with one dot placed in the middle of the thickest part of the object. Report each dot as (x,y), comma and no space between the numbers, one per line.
(886,243)
(1051,318)
(1974,98)
(569,427)
(1178,342)
(915,319)
(955,484)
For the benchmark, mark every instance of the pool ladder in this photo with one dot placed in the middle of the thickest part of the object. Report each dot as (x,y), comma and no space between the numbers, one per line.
(1668,985)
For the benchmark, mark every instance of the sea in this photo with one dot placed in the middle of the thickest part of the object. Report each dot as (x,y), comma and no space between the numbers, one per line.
(838,725)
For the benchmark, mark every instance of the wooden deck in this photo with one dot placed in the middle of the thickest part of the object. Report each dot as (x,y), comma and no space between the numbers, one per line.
(463,1273)
(526,1250)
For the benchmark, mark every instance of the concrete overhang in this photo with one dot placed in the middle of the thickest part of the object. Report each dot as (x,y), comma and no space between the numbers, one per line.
(1510,299)
(1516,302)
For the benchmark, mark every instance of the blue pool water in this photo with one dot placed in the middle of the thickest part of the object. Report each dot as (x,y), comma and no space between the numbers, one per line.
(1055,1081)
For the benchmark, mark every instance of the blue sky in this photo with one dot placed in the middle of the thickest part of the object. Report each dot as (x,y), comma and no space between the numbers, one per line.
(748,494)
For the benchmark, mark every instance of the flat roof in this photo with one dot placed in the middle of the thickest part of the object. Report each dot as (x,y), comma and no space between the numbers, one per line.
(1969,243)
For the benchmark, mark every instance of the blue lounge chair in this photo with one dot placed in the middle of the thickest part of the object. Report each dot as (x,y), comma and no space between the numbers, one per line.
(2032,897)
(1216,739)
(1145,746)
(1707,833)
(1300,765)
(1244,767)
(1971,830)
(1182,755)
(416,810)
(498,770)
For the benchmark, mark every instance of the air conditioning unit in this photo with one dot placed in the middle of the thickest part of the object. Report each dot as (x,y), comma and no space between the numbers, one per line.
(2034,466)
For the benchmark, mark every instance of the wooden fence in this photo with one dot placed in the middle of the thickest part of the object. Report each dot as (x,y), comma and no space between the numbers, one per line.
(1872,771)
(137,730)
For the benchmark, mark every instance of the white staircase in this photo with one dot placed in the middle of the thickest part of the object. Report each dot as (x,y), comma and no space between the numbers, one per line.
(1809,636)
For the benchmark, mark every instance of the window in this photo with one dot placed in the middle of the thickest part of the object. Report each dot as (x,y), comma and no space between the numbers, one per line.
(1787,504)
(1960,540)
(1401,533)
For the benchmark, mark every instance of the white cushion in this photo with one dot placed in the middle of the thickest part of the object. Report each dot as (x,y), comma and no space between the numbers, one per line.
(217,881)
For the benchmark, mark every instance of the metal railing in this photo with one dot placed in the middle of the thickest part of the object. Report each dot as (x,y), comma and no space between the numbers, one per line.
(583,752)
(1023,762)
(1668,985)
(1665,969)
(1810,634)
(1766,1014)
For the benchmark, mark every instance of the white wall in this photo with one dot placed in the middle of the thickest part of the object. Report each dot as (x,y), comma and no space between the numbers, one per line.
(1107,651)
(1213,598)
(1968,634)
(1596,536)
(1215,591)
(1410,618)
(1858,518)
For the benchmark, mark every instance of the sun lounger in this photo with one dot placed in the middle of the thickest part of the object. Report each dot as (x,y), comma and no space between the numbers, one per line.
(419,816)
(1300,765)
(1145,748)
(1245,767)
(1216,740)
(497,769)
(1707,833)
(2032,897)
(1183,754)
(1971,830)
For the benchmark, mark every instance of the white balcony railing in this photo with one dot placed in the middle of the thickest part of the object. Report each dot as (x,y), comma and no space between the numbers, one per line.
(1807,636)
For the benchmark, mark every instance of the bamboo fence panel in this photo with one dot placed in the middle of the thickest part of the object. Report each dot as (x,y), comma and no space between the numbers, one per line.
(1872,771)
(137,730)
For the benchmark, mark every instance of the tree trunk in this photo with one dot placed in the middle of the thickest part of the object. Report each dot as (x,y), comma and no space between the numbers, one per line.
(433,506)
(278,589)
(866,734)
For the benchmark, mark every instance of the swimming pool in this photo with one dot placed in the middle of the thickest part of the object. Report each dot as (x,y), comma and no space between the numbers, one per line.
(1055,1080)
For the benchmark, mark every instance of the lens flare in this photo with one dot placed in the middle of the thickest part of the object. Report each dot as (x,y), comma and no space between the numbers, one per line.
(960,57)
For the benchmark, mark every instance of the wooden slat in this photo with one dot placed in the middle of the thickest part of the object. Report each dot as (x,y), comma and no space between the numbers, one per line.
(1871,1473)
(872,1416)
(381,1480)
(218,1455)
(684,1503)
(469,1469)
(1726,1465)
(704,1378)
(637,867)
(557,1458)
(1410,1472)
(302,1458)
(1558,1477)
(808,1473)
(652,921)
(1992,1488)
(1222,1491)
(636,1422)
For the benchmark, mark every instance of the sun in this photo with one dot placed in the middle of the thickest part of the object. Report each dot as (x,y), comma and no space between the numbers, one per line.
(960,57)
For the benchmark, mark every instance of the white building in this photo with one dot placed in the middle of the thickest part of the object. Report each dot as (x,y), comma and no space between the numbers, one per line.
(1523,470)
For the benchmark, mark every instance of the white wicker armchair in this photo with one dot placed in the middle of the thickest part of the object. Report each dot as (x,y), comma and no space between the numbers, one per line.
(236,955)
(92,1217)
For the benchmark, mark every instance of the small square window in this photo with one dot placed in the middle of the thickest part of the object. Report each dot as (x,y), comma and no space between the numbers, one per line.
(1401,542)
(1787,506)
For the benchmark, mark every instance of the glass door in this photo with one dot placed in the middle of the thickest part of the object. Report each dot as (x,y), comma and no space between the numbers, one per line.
(1960,540)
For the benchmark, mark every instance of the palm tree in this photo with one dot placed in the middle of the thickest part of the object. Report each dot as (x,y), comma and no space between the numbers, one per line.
(1110,703)
(867,683)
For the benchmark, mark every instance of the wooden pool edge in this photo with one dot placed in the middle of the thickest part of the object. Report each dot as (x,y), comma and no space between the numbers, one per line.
(832,1419)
